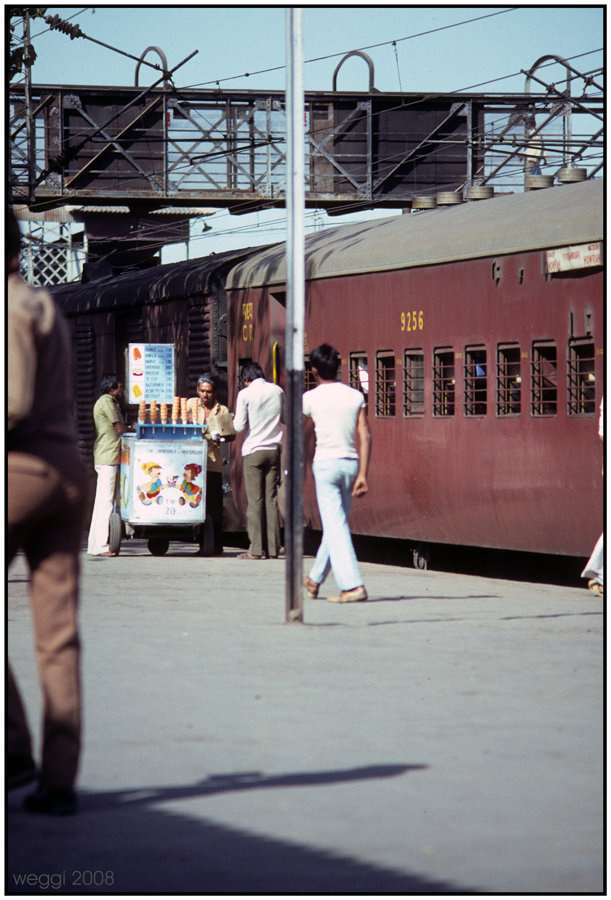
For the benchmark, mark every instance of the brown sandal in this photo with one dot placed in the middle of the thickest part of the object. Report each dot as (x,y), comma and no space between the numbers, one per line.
(356,595)
(311,587)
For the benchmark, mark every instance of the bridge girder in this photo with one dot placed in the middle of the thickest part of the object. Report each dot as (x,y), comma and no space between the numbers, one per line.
(158,147)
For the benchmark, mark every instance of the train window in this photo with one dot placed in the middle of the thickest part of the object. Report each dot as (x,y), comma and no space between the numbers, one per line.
(444,383)
(359,372)
(413,383)
(581,381)
(309,381)
(544,380)
(386,383)
(508,381)
(476,381)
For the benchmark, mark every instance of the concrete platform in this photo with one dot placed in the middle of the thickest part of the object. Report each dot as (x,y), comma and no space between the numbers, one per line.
(444,737)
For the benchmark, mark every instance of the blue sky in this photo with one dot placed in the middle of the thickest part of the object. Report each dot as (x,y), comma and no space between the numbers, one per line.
(491,44)
(235,40)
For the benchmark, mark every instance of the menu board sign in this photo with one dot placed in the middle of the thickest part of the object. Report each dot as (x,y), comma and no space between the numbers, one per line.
(150,373)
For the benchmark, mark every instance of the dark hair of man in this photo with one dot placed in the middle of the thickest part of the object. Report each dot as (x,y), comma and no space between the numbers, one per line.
(207,378)
(108,384)
(251,371)
(325,359)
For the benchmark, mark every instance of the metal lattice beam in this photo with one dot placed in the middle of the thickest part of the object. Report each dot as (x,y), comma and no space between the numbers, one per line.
(228,149)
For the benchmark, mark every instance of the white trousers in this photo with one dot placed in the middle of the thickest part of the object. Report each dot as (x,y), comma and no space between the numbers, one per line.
(102,508)
(596,564)
(334,482)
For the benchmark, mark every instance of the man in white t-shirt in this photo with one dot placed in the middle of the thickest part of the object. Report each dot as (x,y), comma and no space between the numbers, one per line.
(260,409)
(340,471)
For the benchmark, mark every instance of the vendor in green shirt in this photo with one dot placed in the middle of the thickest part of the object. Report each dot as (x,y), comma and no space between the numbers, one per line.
(109,426)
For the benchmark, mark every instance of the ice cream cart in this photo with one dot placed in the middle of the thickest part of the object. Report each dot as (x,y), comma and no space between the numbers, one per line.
(162,483)
(163,488)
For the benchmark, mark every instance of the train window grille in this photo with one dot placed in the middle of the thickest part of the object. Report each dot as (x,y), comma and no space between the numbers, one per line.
(309,382)
(413,383)
(544,380)
(581,381)
(508,381)
(359,373)
(86,387)
(386,384)
(444,383)
(476,381)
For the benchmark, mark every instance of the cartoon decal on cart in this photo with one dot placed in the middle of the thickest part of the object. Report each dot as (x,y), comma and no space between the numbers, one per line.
(150,491)
(192,492)
(168,489)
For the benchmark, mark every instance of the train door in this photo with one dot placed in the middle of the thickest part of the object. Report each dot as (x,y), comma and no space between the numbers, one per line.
(277,330)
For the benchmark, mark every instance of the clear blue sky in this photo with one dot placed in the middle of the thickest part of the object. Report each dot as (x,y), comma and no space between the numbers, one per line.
(233,41)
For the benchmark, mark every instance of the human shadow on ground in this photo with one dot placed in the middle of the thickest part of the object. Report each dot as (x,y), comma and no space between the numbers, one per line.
(125,841)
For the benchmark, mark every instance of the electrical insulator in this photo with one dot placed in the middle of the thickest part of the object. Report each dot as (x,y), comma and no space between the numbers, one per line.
(57,23)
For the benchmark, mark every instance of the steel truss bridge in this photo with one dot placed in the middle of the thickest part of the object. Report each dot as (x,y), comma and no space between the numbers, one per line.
(161,147)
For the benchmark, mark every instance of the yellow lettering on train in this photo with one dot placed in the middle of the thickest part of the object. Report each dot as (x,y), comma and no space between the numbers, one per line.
(247,322)
(412,320)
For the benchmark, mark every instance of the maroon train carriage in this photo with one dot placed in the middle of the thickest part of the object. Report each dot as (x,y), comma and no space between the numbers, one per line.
(476,334)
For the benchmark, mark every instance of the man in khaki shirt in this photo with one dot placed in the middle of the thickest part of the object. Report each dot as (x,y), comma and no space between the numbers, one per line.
(46,499)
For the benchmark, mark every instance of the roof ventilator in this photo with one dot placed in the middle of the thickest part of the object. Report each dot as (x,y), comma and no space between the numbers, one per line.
(449,198)
(480,192)
(424,203)
(570,175)
(537,182)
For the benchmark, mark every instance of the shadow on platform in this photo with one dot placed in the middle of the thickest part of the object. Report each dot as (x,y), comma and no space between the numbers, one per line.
(125,842)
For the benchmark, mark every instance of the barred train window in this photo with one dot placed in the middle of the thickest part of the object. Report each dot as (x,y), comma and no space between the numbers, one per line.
(544,380)
(359,372)
(385,383)
(444,383)
(476,381)
(508,380)
(581,381)
(413,383)
(309,381)
(308,375)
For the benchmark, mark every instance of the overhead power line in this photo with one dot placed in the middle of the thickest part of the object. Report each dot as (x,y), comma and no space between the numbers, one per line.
(408,37)
(56,23)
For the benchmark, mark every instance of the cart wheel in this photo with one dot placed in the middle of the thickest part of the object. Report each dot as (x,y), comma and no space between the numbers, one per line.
(206,538)
(114,532)
(158,546)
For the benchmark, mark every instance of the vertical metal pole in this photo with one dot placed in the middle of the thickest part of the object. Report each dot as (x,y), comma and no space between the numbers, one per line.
(29,125)
(295,314)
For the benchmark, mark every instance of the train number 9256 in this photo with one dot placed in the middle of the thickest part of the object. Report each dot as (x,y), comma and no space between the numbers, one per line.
(412,320)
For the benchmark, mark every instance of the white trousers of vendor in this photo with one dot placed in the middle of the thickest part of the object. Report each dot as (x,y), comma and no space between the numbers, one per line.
(102,509)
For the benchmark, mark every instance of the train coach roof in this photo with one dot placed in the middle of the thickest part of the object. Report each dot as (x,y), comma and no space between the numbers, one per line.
(173,281)
(554,217)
